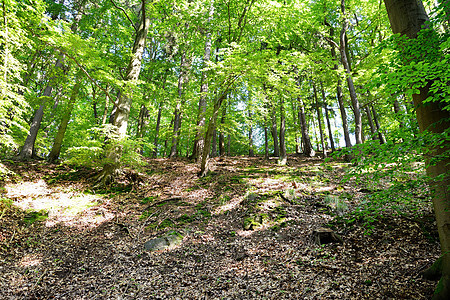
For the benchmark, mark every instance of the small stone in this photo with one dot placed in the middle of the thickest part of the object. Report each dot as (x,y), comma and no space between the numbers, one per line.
(156,244)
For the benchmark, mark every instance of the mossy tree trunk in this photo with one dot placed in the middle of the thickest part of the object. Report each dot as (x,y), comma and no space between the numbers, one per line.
(408,17)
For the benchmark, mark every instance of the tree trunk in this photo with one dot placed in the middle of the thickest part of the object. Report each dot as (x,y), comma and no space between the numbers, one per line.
(330,131)
(377,124)
(56,149)
(266,140)
(339,95)
(221,133)
(28,148)
(295,118)
(274,131)
(308,149)
(182,81)
(407,18)
(350,84)
(283,156)
(250,133)
(199,141)
(229,145)
(320,120)
(398,112)
(214,143)
(372,127)
(209,132)
(124,102)
(158,125)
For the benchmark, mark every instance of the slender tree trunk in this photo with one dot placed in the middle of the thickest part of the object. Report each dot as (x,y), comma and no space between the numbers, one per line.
(56,149)
(398,112)
(250,133)
(308,149)
(330,131)
(266,139)
(372,127)
(339,95)
(211,127)
(158,125)
(407,17)
(199,140)
(221,132)
(274,131)
(377,124)
(214,143)
(283,155)
(28,148)
(182,81)
(320,120)
(124,102)
(350,84)
(295,118)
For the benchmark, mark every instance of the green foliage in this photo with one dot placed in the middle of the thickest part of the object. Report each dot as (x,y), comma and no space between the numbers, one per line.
(35,216)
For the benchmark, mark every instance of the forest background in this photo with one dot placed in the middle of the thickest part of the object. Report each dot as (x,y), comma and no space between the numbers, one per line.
(107,83)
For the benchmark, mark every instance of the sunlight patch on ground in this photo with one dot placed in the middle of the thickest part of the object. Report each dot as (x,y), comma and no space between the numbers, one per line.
(30,260)
(68,207)
(232,204)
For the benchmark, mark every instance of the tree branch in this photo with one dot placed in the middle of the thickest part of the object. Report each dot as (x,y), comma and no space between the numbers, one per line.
(86,73)
(125,13)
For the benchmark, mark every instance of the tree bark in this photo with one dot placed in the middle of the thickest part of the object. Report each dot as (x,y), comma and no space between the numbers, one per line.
(320,120)
(339,95)
(371,125)
(274,131)
(308,149)
(56,149)
(182,81)
(221,132)
(377,124)
(407,17)
(28,148)
(124,102)
(283,155)
(350,84)
(201,119)
(330,131)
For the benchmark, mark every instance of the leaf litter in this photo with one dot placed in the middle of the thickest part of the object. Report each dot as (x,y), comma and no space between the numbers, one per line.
(98,253)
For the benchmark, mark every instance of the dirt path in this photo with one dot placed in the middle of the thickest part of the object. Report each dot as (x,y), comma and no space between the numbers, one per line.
(89,245)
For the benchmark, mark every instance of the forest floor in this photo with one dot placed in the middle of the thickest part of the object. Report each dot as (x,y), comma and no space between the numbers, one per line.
(247,232)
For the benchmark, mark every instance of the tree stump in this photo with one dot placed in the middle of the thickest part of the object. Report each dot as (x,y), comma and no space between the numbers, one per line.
(324,235)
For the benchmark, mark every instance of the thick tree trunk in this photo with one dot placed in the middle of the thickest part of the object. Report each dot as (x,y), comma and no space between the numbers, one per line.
(124,102)
(407,17)
(283,156)
(350,84)
(320,120)
(56,149)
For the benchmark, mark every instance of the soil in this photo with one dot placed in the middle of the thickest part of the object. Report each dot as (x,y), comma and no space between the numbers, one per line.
(60,239)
